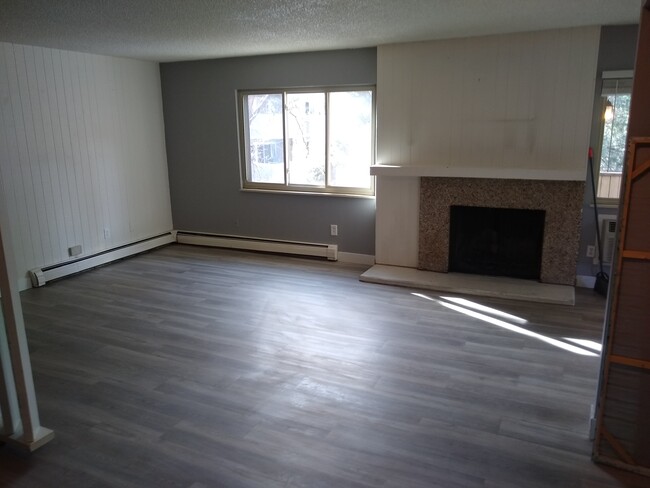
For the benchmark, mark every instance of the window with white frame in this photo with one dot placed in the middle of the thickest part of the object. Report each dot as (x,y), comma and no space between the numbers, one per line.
(318,140)
(616,96)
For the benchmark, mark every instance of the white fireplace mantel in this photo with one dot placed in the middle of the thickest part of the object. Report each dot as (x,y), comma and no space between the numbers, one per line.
(479,172)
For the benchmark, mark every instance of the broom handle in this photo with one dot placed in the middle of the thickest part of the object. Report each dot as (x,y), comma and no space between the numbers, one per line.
(593,191)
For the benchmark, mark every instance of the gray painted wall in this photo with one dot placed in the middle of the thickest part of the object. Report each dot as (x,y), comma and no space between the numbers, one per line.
(617,52)
(203,154)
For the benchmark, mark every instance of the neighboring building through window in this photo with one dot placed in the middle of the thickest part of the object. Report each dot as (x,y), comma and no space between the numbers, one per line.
(616,95)
(308,140)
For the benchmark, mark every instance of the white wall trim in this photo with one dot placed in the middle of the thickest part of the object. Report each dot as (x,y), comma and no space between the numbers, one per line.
(20,422)
(354,258)
(478,172)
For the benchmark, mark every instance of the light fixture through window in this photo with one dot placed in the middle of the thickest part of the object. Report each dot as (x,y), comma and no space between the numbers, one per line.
(609,111)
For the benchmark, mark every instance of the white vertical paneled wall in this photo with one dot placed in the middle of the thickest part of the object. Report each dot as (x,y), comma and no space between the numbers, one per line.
(508,101)
(82,152)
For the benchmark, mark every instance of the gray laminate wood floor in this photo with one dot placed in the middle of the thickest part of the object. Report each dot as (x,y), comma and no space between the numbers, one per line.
(191,367)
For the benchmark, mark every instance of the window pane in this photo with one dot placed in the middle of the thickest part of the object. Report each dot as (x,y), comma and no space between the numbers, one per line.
(305,113)
(350,138)
(314,141)
(615,134)
(612,151)
(265,138)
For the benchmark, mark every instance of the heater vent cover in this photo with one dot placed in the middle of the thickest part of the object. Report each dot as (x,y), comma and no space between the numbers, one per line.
(608,227)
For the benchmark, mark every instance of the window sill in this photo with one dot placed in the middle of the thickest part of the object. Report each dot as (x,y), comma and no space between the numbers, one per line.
(310,193)
(605,205)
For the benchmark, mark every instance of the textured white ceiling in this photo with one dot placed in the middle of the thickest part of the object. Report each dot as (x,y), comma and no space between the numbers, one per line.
(171,30)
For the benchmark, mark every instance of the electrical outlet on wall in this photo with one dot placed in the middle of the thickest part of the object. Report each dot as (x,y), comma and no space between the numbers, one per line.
(74,250)
(107,233)
(334,230)
(591,251)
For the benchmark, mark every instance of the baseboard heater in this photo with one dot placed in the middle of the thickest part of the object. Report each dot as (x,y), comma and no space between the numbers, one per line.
(329,251)
(40,276)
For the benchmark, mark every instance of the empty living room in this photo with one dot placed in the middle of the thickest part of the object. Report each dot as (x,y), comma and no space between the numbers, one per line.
(324,244)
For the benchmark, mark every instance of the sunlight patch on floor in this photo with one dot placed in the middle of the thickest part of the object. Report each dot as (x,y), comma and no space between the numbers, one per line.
(469,308)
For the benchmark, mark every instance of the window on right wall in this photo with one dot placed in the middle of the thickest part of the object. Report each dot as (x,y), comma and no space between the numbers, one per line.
(616,96)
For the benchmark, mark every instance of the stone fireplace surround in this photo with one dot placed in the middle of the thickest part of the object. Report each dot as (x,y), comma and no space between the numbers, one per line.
(397,226)
(562,201)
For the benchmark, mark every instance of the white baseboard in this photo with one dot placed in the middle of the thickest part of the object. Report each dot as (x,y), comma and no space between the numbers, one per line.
(585,281)
(246,243)
(354,258)
(40,276)
(328,251)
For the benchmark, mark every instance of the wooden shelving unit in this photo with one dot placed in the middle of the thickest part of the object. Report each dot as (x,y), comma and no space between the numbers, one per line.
(623,423)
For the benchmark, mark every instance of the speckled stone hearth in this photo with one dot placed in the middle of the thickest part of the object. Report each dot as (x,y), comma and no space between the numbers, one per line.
(562,201)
